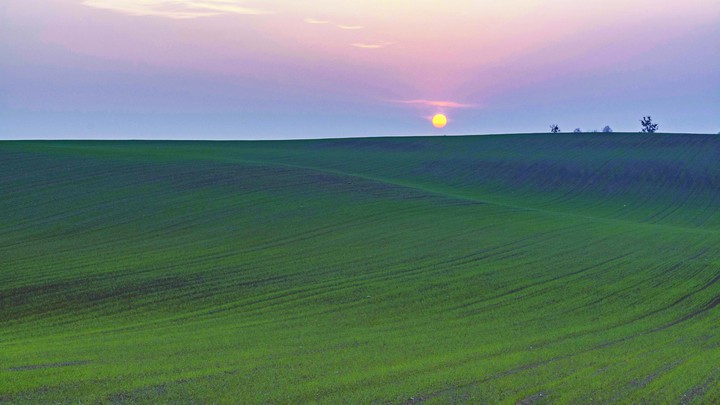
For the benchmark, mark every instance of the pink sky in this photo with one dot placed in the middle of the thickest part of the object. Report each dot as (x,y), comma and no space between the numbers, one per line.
(283,69)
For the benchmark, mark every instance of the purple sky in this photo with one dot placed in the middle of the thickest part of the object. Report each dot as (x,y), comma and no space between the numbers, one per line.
(276,69)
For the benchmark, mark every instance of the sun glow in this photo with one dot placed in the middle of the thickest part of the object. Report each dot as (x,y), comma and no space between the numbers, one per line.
(439,120)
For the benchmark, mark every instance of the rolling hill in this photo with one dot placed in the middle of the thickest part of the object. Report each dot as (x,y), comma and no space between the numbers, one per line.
(513,268)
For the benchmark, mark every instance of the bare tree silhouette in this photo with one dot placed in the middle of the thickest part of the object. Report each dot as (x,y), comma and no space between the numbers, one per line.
(647,125)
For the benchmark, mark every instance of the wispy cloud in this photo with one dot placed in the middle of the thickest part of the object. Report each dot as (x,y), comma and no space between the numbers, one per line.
(341,26)
(349,27)
(371,46)
(316,21)
(437,103)
(176,9)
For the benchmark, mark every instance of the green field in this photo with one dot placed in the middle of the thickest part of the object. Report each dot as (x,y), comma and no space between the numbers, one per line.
(487,269)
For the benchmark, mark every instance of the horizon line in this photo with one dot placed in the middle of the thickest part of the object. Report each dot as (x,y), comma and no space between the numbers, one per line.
(455,135)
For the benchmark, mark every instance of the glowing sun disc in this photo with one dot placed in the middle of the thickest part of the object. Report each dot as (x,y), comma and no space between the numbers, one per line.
(439,120)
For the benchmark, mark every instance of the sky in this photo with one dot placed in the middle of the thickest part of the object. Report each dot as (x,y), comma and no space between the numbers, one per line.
(285,69)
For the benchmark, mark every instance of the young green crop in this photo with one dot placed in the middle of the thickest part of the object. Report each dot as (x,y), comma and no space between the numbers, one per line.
(559,268)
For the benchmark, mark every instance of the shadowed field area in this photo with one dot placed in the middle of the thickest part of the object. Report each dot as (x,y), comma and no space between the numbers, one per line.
(515,269)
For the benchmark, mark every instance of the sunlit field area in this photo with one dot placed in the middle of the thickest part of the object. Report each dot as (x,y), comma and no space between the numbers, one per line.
(567,268)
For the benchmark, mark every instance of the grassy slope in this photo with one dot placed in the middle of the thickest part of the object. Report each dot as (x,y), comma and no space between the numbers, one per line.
(568,268)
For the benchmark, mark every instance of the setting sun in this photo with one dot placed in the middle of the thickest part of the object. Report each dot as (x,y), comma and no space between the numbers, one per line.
(439,120)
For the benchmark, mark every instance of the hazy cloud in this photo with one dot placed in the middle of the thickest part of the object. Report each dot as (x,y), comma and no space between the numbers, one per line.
(437,103)
(177,9)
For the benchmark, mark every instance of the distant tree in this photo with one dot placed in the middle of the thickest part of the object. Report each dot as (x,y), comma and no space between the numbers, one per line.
(647,125)
(554,128)
(577,130)
(607,129)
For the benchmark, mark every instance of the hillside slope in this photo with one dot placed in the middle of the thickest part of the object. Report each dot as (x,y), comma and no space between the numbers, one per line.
(561,268)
